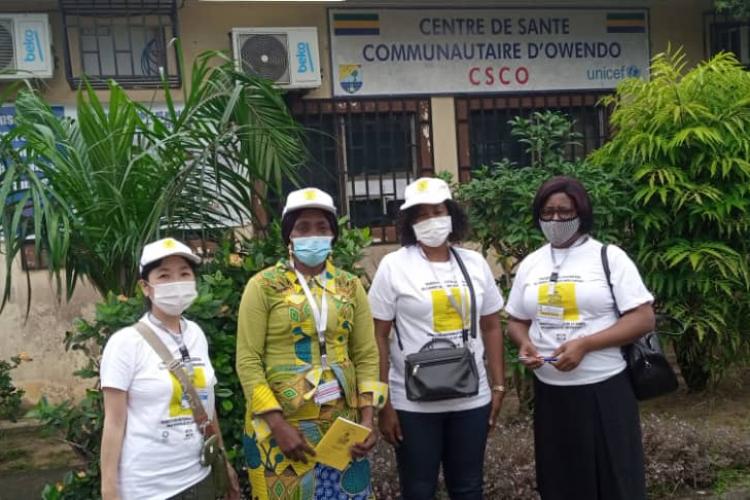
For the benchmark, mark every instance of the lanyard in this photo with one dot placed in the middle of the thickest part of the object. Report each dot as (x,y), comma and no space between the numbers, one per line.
(187,361)
(461,310)
(555,274)
(320,314)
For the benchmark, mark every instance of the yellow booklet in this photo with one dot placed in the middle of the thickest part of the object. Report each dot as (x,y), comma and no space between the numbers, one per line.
(335,448)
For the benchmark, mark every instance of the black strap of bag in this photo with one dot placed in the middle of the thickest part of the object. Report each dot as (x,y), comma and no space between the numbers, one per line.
(608,274)
(650,373)
(472,302)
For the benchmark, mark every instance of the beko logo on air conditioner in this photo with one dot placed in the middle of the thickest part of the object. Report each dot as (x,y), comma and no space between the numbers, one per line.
(32,46)
(305,62)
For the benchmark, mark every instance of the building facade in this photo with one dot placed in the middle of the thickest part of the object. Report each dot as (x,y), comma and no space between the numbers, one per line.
(388,91)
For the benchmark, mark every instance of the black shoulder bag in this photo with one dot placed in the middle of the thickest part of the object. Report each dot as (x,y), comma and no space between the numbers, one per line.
(648,368)
(436,373)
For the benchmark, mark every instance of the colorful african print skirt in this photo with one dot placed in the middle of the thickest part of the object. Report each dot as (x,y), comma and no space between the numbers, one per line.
(273,476)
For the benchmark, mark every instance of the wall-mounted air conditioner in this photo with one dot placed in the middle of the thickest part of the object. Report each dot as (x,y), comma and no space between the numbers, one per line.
(287,56)
(25,46)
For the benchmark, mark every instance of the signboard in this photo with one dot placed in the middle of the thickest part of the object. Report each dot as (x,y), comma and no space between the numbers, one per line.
(437,51)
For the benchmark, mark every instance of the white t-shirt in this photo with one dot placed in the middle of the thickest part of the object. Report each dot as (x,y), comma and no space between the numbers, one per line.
(405,288)
(581,305)
(161,447)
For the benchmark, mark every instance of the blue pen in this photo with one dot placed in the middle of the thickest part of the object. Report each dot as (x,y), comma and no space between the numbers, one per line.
(546,359)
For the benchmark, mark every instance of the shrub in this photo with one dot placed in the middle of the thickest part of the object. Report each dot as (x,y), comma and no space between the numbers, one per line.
(680,454)
(683,142)
(11,396)
(220,287)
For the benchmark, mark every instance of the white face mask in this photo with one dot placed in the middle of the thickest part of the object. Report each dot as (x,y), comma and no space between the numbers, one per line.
(559,232)
(433,232)
(174,298)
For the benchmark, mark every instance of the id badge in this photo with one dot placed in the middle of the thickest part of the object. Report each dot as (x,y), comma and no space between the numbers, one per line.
(551,314)
(327,391)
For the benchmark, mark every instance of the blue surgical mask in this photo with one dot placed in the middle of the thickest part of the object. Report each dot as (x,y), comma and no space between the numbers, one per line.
(312,250)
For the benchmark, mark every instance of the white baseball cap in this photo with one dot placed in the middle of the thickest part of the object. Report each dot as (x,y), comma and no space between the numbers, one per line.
(426,191)
(166,247)
(309,198)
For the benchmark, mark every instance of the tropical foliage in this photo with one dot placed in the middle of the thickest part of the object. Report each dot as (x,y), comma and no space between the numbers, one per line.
(683,140)
(11,397)
(92,190)
(736,8)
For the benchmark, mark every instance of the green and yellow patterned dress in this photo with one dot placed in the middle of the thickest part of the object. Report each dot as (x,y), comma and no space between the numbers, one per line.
(278,362)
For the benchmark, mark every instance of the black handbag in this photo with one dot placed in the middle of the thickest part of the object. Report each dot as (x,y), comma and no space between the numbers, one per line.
(650,373)
(437,373)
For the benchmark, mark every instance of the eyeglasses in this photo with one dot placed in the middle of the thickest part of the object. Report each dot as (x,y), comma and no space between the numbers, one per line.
(562,213)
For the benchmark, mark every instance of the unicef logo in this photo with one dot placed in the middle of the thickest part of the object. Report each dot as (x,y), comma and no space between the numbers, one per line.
(633,71)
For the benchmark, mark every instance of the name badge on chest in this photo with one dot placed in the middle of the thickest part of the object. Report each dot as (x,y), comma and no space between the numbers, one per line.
(552,310)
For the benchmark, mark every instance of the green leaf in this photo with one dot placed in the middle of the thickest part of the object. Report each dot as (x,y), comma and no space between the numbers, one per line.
(119,175)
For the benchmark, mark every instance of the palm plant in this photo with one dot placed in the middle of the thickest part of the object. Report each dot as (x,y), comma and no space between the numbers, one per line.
(683,138)
(103,184)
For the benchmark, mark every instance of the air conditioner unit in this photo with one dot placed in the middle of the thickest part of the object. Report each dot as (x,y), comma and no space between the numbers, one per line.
(25,46)
(287,56)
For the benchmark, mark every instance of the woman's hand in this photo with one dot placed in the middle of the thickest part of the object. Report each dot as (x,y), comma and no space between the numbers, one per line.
(570,354)
(389,425)
(360,450)
(234,484)
(291,441)
(497,404)
(529,356)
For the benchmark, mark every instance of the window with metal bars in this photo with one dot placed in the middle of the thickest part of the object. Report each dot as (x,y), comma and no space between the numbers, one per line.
(364,153)
(484,131)
(726,34)
(124,40)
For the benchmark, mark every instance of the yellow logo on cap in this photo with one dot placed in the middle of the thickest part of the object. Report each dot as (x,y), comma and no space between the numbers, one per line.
(310,194)
(169,243)
(423,185)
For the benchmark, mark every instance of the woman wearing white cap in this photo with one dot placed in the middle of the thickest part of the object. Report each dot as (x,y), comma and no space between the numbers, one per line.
(151,442)
(431,292)
(306,355)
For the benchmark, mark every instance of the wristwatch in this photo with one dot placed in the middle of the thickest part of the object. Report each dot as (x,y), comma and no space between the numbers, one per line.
(498,388)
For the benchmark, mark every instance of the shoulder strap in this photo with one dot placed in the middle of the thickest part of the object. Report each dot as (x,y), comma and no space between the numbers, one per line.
(607,273)
(199,413)
(472,295)
(398,334)
(472,298)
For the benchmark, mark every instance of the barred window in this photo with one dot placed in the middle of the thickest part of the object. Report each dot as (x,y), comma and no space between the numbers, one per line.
(484,131)
(733,36)
(365,153)
(128,42)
